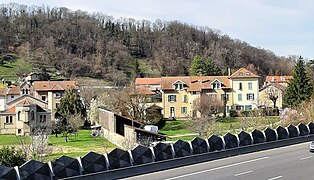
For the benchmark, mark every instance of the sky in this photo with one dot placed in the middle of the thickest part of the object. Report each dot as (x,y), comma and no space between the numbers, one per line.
(286,27)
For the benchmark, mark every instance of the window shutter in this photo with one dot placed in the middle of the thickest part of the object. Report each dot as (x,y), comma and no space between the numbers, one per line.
(252,96)
(169,98)
(175,98)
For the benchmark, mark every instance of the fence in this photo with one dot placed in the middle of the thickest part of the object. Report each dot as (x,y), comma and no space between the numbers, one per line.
(140,160)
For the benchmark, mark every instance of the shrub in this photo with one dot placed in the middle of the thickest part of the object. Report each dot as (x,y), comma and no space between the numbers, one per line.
(10,157)
(233,113)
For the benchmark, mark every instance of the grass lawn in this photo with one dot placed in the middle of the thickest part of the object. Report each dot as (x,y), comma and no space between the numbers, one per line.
(8,71)
(83,144)
(225,125)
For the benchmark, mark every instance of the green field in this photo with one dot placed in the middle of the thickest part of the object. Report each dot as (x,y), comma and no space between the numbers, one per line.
(9,71)
(181,129)
(83,144)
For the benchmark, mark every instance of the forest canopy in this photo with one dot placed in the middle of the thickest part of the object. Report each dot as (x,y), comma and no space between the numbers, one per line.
(78,43)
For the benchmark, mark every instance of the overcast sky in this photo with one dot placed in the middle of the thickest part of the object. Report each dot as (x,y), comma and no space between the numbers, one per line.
(285,27)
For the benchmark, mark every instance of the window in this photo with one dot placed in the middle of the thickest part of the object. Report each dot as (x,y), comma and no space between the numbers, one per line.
(57,95)
(19,115)
(239,107)
(7,119)
(240,73)
(193,92)
(216,85)
(250,86)
(32,116)
(239,97)
(213,96)
(43,98)
(23,91)
(184,98)
(248,73)
(172,98)
(178,86)
(250,96)
(42,118)
(19,131)
(57,105)
(240,86)
(12,96)
(11,119)
(227,109)
(223,97)
(26,91)
(248,107)
(183,110)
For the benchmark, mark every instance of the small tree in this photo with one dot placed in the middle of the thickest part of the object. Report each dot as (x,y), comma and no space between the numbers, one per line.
(43,75)
(299,88)
(273,95)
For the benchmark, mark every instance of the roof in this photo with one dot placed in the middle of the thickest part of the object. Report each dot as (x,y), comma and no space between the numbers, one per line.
(147,81)
(10,111)
(3,91)
(243,73)
(146,90)
(25,102)
(30,98)
(14,90)
(54,85)
(278,78)
(194,83)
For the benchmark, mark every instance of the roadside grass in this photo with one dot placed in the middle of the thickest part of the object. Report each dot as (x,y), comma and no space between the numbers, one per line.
(182,128)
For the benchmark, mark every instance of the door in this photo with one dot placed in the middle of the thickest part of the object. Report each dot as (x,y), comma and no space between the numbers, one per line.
(172,114)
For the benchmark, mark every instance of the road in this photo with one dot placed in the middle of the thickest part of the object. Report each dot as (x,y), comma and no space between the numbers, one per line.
(287,163)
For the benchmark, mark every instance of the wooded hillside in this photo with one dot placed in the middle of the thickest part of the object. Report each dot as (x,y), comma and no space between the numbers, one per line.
(77,43)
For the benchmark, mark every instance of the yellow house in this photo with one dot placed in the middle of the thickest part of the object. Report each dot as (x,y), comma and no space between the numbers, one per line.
(179,93)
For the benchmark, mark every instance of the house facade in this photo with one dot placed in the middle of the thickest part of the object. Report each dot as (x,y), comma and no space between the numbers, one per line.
(23,114)
(179,94)
(52,92)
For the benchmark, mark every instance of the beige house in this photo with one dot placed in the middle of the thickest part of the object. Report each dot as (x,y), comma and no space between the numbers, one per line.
(51,92)
(241,90)
(23,115)
(275,90)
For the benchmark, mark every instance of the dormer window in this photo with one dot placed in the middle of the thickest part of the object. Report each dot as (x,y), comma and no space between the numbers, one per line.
(240,73)
(178,86)
(216,85)
(248,73)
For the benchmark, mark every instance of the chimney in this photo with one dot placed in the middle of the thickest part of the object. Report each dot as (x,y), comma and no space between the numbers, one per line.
(229,71)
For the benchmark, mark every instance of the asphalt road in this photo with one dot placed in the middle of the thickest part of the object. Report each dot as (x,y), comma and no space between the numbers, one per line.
(288,163)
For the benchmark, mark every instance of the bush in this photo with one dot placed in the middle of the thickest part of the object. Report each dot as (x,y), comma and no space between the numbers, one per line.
(233,113)
(10,157)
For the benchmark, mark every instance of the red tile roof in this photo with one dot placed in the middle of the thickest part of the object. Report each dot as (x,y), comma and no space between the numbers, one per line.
(278,78)
(54,85)
(11,110)
(243,73)
(145,90)
(194,83)
(148,81)
(14,90)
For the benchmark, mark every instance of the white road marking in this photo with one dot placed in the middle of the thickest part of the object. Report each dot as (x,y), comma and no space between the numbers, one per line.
(217,168)
(275,178)
(239,174)
(306,158)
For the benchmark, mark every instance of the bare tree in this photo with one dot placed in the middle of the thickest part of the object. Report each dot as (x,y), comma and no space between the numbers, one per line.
(273,95)
(209,107)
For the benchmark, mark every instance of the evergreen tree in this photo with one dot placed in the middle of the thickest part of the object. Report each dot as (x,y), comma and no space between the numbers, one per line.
(299,88)
(204,67)
(43,75)
(70,113)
